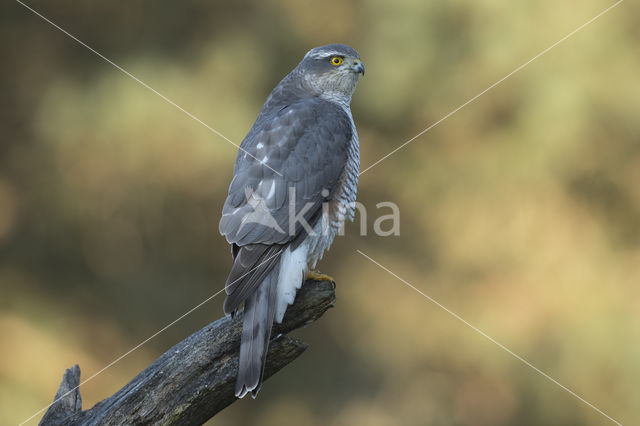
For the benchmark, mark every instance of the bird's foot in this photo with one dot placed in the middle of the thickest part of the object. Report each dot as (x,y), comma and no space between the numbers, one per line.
(318,276)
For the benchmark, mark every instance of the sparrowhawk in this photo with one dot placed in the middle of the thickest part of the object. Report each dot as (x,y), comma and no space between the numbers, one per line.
(294,185)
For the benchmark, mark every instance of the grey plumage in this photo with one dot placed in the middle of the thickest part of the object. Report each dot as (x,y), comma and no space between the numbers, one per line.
(305,132)
(259,311)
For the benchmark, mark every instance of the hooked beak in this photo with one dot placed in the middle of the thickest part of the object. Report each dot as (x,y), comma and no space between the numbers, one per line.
(358,67)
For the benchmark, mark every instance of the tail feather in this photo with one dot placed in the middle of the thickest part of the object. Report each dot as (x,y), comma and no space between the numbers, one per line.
(259,312)
(251,265)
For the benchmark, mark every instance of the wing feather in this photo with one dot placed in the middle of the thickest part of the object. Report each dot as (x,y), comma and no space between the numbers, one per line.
(307,143)
(311,152)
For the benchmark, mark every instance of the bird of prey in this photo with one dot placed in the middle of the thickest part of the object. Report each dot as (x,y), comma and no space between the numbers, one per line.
(294,185)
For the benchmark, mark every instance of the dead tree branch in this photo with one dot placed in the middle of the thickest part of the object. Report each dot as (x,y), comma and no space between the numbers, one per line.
(195,379)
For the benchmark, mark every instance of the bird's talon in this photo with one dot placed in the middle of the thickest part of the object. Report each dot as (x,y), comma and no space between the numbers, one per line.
(317,276)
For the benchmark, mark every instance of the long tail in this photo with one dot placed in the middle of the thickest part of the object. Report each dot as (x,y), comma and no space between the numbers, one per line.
(259,311)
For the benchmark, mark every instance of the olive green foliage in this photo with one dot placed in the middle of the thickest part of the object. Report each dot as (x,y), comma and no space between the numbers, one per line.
(520,212)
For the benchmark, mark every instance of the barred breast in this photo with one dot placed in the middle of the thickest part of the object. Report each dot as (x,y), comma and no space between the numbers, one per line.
(295,264)
(341,207)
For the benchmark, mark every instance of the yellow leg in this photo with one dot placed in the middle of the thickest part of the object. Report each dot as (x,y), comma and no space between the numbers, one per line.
(317,276)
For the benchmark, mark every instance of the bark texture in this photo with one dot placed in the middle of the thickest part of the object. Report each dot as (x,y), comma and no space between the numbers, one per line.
(195,379)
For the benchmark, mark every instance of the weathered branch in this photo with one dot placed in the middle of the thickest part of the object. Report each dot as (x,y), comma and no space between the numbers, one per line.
(195,379)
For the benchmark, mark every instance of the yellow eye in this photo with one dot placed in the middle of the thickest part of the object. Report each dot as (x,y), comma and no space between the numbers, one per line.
(336,60)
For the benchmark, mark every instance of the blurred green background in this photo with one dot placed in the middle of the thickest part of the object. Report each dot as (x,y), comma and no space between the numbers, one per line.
(521,212)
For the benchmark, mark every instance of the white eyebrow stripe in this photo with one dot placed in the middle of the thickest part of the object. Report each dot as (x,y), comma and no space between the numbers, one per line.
(324,54)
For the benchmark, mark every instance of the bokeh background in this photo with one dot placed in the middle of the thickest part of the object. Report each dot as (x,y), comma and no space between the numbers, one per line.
(521,212)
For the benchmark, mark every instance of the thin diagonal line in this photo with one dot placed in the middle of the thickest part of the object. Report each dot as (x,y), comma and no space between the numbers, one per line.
(163,329)
(500,345)
(492,86)
(128,74)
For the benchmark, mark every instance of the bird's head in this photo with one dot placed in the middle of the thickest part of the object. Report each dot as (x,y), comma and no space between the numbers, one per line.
(332,71)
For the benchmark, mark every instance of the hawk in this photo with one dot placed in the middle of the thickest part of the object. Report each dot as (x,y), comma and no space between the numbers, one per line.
(294,185)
